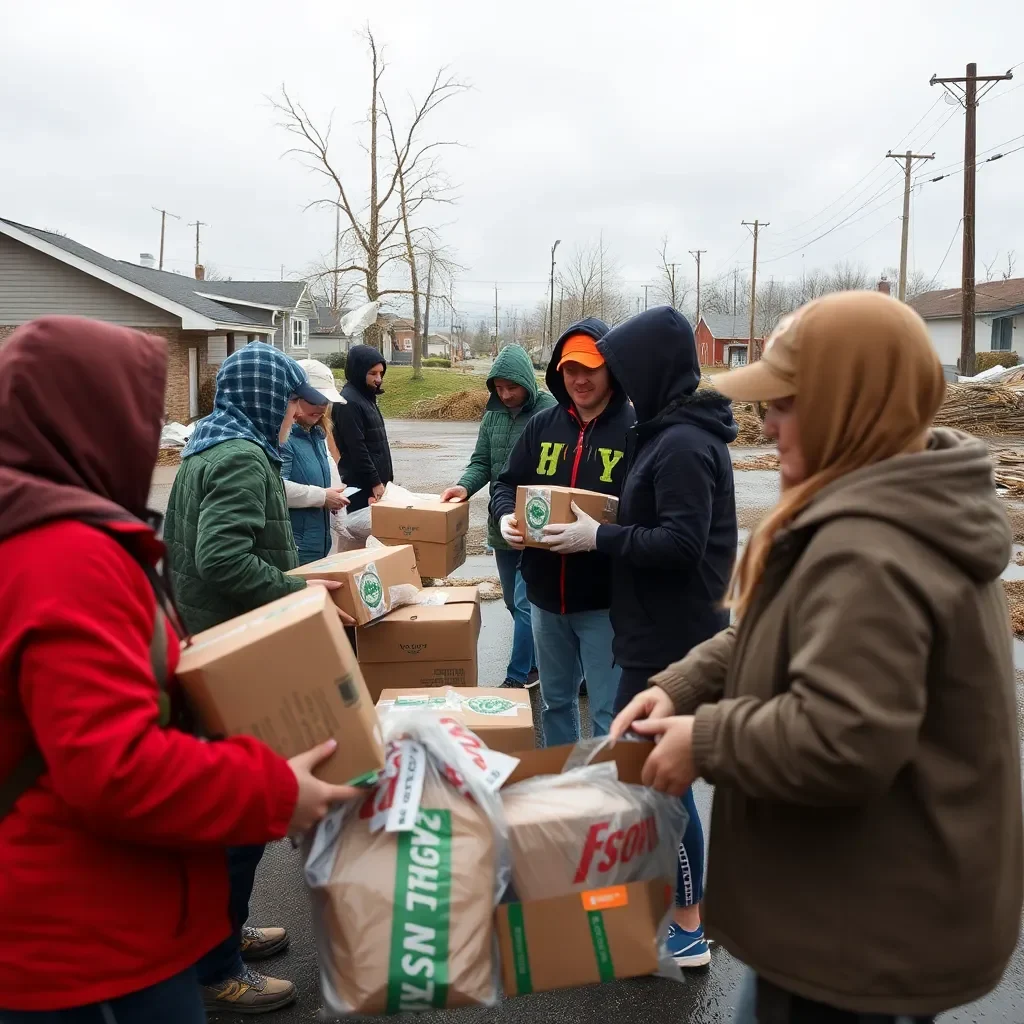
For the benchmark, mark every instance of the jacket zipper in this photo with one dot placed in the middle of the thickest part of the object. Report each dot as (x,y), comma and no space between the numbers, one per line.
(572,483)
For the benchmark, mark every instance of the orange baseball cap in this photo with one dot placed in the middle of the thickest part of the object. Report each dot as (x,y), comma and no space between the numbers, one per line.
(582,349)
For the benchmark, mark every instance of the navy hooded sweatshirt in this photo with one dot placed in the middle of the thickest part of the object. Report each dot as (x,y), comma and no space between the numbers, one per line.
(674,546)
(556,448)
(359,430)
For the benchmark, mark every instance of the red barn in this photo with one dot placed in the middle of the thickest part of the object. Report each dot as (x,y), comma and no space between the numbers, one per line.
(722,339)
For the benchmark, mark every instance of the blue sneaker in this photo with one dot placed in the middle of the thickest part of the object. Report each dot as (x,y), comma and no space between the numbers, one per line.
(688,949)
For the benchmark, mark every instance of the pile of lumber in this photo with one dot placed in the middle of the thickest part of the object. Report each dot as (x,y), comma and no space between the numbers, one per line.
(460,405)
(1009,471)
(983,409)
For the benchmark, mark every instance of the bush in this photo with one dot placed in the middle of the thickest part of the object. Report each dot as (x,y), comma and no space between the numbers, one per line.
(336,360)
(438,361)
(986,360)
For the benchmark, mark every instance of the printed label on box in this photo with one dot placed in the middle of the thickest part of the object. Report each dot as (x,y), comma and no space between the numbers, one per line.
(538,511)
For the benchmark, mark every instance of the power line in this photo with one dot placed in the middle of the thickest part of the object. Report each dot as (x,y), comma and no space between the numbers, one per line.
(946,257)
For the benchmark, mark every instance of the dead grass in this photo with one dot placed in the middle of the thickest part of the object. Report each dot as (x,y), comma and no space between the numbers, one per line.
(1015,598)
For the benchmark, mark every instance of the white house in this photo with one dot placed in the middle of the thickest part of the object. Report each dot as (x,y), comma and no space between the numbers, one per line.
(998,323)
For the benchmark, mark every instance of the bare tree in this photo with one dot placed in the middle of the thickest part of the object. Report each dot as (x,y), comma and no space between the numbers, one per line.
(1011,262)
(845,277)
(673,287)
(369,237)
(581,278)
(990,267)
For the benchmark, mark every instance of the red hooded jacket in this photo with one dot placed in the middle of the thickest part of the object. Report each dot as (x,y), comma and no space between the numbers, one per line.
(112,866)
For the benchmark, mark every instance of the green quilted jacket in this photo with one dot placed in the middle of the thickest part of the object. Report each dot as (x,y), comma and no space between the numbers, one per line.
(228,534)
(499,429)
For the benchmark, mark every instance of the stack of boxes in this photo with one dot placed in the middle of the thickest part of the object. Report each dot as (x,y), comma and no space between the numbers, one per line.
(435,529)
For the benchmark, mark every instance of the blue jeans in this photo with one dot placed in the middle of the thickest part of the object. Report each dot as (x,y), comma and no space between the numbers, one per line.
(690,874)
(565,644)
(781,1006)
(225,961)
(513,589)
(174,1001)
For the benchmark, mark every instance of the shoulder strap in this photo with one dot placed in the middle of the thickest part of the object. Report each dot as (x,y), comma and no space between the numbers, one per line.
(31,765)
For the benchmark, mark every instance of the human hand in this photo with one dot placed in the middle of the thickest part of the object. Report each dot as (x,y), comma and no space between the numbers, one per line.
(335,499)
(315,797)
(333,585)
(651,704)
(376,495)
(456,493)
(572,538)
(669,767)
(509,527)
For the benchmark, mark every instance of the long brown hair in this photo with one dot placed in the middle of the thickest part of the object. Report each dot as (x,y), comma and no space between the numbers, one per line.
(327,426)
(869,384)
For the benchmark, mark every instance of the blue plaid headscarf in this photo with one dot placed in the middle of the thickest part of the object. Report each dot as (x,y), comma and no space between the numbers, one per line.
(254,386)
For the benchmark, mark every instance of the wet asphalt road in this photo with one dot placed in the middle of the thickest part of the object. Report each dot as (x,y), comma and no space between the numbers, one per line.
(428,457)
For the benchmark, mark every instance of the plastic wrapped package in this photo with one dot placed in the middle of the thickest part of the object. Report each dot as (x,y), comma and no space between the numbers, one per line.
(586,829)
(404,882)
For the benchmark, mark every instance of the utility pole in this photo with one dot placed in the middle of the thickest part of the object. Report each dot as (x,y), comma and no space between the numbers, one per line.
(646,286)
(672,282)
(735,282)
(551,307)
(561,298)
(163,224)
(197,224)
(495,353)
(696,254)
(757,225)
(965,91)
(337,257)
(908,159)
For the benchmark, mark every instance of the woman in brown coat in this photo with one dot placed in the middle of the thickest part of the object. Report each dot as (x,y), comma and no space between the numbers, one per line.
(858,720)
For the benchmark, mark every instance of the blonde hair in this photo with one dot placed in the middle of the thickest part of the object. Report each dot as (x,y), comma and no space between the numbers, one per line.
(327,426)
(869,384)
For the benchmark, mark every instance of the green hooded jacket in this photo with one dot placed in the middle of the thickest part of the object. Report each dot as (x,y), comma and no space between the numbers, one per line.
(500,429)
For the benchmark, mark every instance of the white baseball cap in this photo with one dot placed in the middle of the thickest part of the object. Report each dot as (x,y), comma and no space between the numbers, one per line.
(320,377)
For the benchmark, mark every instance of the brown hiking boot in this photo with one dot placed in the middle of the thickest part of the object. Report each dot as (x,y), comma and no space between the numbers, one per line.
(250,993)
(261,943)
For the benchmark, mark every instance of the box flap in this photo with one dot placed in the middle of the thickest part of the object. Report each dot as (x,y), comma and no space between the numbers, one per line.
(629,756)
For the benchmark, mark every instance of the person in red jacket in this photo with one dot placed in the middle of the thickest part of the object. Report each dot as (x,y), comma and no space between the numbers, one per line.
(112,826)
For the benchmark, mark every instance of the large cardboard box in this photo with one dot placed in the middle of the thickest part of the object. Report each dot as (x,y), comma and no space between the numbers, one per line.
(583,938)
(423,645)
(368,576)
(537,507)
(502,718)
(286,674)
(436,529)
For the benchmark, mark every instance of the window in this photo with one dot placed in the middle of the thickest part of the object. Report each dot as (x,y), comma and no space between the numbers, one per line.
(300,332)
(1002,334)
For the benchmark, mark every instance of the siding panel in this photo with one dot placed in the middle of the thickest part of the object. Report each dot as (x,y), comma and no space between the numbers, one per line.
(33,285)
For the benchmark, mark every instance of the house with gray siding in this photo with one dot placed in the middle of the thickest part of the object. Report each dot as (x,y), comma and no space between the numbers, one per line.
(43,272)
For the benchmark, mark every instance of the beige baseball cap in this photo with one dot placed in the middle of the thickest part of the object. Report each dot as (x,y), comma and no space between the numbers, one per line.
(320,377)
(773,376)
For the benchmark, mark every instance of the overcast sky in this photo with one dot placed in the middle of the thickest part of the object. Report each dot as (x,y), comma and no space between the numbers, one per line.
(635,119)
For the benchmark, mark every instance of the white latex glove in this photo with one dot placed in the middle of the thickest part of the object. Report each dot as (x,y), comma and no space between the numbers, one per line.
(509,527)
(573,538)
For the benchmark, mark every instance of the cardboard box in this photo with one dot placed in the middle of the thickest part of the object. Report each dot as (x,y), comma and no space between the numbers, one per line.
(430,522)
(436,561)
(368,576)
(537,507)
(502,718)
(583,938)
(285,673)
(423,645)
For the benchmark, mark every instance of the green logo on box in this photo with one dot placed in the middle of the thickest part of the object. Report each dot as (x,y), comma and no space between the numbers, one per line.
(490,705)
(371,590)
(538,512)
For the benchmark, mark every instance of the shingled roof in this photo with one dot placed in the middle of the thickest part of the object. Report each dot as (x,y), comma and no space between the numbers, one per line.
(989,297)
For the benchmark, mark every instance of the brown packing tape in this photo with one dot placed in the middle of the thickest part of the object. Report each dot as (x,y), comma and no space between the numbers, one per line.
(433,522)
(563,943)
(243,678)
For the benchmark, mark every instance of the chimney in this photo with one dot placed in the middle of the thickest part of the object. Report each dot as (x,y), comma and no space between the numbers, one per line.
(200,272)
(146,260)
(883,287)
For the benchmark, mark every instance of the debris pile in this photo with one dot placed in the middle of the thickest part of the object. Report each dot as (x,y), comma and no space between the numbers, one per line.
(767,461)
(751,428)
(460,405)
(1015,598)
(1009,472)
(985,410)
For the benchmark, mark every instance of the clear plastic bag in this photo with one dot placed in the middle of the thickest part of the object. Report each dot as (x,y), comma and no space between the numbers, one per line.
(351,529)
(405,881)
